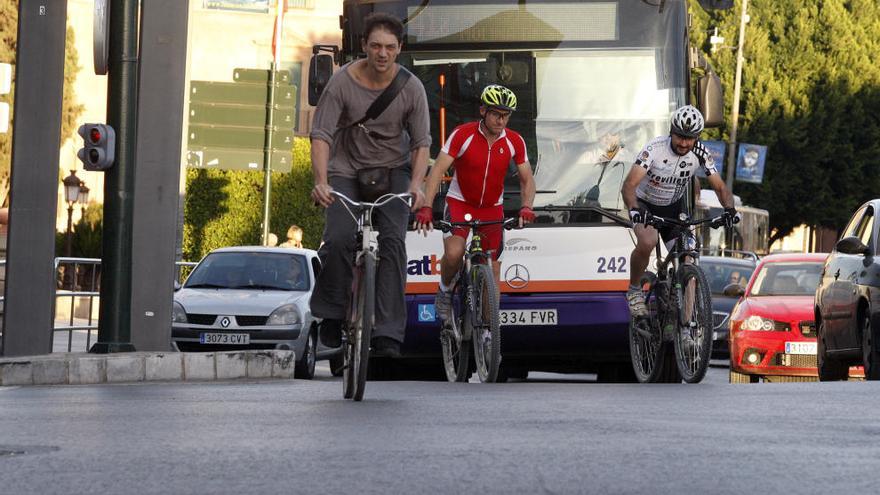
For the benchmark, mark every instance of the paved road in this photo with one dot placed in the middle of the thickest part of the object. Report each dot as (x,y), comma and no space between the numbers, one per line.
(556,434)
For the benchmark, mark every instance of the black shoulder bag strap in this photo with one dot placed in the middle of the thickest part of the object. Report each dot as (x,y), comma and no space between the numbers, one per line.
(381,103)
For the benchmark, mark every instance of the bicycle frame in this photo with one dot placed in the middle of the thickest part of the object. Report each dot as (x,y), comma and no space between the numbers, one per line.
(361,304)
(474,254)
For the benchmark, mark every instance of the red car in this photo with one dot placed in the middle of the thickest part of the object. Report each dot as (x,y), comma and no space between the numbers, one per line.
(772,331)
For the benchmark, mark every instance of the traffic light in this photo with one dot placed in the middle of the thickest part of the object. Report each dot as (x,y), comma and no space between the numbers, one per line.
(99,146)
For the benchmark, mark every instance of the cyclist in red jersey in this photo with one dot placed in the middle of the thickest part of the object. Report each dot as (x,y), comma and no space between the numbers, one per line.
(480,153)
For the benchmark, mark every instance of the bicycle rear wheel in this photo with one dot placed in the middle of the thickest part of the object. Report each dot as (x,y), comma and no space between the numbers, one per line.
(486,327)
(693,340)
(645,337)
(456,349)
(357,350)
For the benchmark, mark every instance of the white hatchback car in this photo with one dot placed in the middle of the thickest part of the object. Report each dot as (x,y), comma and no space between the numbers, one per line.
(252,298)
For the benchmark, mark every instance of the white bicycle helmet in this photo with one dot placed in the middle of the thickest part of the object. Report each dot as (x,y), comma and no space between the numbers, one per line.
(687,121)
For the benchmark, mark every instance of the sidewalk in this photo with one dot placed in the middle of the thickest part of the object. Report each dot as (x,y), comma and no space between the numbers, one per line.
(84,368)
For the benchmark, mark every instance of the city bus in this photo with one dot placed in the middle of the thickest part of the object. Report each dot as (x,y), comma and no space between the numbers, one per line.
(589,76)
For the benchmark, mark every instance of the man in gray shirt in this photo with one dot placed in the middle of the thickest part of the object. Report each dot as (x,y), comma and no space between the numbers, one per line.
(397,139)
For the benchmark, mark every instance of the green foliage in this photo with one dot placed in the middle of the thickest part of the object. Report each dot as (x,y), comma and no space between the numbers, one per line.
(224,207)
(70,110)
(86,235)
(811,93)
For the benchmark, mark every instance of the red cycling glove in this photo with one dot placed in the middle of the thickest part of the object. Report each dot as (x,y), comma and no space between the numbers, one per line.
(527,214)
(425,215)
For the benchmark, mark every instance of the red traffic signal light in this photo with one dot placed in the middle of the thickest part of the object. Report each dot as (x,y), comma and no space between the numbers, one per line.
(99,146)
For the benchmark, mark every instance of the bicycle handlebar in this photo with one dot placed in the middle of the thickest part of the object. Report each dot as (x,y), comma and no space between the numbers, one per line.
(446,226)
(381,201)
(657,221)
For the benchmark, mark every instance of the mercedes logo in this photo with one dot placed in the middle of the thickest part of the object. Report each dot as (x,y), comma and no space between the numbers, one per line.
(516,276)
(224,322)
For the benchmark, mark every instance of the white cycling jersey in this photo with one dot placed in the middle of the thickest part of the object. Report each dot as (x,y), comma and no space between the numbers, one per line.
(668,173)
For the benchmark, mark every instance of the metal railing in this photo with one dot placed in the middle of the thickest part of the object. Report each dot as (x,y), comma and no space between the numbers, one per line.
(78,280)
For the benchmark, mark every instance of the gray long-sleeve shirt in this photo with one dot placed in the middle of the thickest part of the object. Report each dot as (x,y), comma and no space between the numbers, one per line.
(344,102)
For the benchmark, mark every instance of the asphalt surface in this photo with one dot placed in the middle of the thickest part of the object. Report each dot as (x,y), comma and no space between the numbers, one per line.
(550,434)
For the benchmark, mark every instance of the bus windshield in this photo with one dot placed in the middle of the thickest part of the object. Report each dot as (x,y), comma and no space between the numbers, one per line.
(584,114)
(589,98)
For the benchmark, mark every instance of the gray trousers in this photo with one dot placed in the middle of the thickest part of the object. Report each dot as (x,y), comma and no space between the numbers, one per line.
(333,288)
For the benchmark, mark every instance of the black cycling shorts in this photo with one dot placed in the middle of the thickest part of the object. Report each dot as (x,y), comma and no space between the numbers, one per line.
(669,211)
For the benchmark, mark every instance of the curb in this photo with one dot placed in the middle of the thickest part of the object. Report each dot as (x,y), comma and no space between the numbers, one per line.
(133,367)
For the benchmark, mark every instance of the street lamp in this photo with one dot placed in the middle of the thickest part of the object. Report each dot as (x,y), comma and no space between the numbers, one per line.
(71,194)
(83,197)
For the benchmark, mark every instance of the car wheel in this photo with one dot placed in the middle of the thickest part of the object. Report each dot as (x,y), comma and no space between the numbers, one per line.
(870,356)
(336,364)
(829,369)
(737,377)
(305,367)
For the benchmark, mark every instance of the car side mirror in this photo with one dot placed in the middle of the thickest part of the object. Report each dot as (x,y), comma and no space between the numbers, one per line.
(320,70)
(177,286)
(734,290)
(851,245)
(710,99)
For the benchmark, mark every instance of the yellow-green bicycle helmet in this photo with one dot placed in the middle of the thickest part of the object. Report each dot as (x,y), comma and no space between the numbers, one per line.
(498,96)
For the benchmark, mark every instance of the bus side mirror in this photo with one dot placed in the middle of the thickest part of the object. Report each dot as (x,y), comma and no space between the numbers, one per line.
(710,99)
(320,70)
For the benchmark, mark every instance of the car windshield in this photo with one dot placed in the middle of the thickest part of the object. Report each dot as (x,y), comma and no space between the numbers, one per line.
(251,270)
(722,273)
(787,279)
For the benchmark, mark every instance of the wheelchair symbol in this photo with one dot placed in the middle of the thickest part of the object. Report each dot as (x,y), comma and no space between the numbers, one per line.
(427,312)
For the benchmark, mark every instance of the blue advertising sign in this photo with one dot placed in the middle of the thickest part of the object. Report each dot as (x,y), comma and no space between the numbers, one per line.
(718,150)
(750,163)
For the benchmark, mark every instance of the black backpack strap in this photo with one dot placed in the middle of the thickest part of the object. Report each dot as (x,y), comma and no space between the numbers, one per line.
(381,103)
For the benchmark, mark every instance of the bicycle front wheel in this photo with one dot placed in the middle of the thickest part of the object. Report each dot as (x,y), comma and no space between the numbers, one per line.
(486,327)
(357,349)
(456,349)
(693,340)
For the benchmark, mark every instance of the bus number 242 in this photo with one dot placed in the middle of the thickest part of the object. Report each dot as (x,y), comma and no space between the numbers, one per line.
(617,265)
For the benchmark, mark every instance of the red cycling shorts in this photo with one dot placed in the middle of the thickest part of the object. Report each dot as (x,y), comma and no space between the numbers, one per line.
(492,235)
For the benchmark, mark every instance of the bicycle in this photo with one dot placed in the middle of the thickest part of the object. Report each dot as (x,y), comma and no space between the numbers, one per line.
(360,319)
(475,310)
(674,342)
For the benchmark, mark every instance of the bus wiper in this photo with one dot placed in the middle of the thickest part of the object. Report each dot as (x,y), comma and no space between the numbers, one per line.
(596,209)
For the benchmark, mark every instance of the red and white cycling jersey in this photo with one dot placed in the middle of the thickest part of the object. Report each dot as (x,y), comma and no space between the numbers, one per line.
(668,173)
(479,171)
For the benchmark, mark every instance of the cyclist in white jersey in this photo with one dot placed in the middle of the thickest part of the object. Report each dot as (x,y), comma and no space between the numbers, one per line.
(656,185)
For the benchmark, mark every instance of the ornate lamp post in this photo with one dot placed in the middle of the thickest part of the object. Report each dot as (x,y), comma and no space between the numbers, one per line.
(83,198)
(71,194)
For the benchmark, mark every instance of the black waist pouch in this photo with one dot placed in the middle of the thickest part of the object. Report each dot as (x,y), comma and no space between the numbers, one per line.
(374,182)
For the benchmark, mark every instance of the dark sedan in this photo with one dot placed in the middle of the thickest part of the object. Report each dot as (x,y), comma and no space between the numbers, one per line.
(722,271)
(847,304)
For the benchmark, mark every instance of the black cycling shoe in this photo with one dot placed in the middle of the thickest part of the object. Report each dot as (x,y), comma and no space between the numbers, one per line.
(331,332)
(384,347)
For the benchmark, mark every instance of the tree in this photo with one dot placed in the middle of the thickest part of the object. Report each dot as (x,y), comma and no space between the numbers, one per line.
(811,94)
(70,111)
